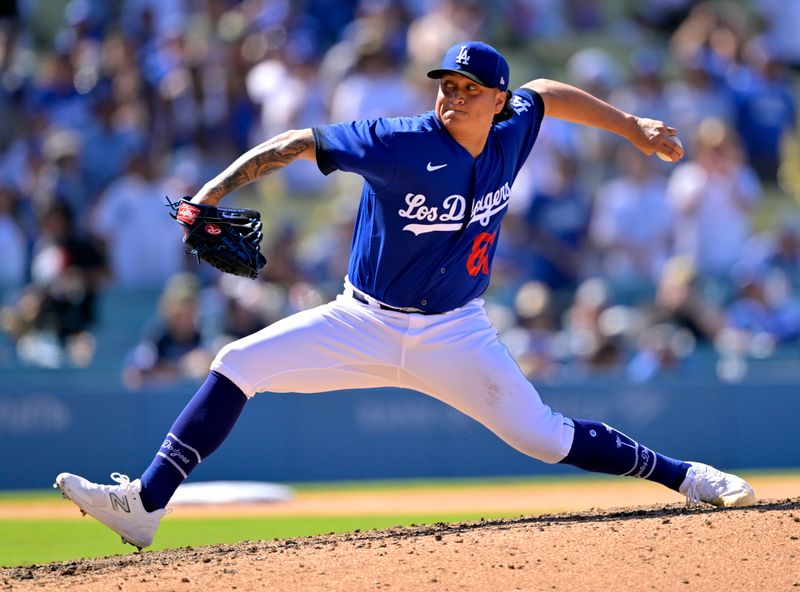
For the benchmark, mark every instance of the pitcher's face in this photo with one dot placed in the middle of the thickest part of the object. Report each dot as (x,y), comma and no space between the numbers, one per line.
(462,102)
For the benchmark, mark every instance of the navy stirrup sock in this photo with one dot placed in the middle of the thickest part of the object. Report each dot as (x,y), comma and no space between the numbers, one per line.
(198,431)
(600,448)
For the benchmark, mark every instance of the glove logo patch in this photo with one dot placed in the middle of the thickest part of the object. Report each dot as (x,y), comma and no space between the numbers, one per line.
(187,213)
(225,238)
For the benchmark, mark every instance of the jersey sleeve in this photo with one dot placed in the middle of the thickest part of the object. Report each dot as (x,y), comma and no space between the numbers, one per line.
(518,134)
(364,147)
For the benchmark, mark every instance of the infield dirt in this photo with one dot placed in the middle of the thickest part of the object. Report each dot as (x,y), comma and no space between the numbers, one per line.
(662,547)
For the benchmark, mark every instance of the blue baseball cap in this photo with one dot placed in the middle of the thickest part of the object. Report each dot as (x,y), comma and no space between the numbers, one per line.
(477,61)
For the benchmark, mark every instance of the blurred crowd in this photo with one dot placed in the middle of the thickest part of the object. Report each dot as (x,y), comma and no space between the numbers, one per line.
(610,261)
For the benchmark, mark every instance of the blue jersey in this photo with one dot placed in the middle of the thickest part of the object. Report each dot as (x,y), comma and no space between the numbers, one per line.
(428,222)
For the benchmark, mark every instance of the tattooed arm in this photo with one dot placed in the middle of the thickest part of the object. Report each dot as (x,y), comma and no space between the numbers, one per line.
(258,162)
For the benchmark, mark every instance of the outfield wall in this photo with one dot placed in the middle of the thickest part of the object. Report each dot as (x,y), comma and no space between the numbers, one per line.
(85,422)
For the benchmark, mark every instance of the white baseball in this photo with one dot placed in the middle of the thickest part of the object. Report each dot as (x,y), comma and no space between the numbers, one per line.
(666,157)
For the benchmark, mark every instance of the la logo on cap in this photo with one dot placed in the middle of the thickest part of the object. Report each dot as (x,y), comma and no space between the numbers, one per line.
(463,56)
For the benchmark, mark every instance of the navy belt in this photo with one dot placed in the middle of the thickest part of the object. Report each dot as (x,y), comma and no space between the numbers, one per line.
(361,297)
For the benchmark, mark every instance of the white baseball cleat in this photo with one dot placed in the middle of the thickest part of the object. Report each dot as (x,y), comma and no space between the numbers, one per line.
(117,506)
(704,483)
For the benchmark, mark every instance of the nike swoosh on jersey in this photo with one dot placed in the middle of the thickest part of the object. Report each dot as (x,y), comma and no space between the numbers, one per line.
(432,168)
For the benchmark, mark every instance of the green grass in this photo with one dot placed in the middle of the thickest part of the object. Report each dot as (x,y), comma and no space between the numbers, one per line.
(25,542)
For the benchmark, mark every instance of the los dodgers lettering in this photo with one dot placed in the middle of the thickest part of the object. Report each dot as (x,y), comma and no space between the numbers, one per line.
(450,218)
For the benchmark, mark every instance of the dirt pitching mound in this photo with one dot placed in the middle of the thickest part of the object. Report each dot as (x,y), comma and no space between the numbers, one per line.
(650,548)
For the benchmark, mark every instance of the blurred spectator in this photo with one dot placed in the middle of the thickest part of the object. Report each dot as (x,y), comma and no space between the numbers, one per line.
(777,247)
(173,347)
(281,254)
(595,70)
(663,15)
(765,108)
(324,255)
(534,19)
(52,320)
(696,96)
(13,243)
(645,92)
(586,15)
(53,93)
(9,31)
(376,87)
(448,22)
(279,92)
(633,223)
(558,222)
(783,247)
(765,304)
(321,20)
(593,344)
(177,106)
(660,348)
(782,22)
(542,172)
(241,124)
(385,20)
(143,20)
(236,307)
(144,245)
(61,176)
(514,260)
(532,338)
(679,302)
(22,165)
(290,94)
(713,36)
(713,193)
(108,143)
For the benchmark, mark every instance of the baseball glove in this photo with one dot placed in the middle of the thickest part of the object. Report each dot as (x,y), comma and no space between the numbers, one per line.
(226,238)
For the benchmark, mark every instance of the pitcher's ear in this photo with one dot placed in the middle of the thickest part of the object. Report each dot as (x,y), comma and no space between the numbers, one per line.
(506,112)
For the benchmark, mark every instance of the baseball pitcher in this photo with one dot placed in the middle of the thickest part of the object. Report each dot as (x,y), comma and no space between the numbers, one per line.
(410,314)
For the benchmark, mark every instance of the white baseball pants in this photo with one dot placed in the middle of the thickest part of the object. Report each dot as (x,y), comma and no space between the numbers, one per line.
(454,357)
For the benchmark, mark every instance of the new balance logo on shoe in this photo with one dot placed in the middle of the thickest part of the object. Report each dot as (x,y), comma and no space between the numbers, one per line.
(119,503)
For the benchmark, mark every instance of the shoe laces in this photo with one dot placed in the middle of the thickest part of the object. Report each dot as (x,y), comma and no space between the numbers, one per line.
(125,482)
(703,485)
